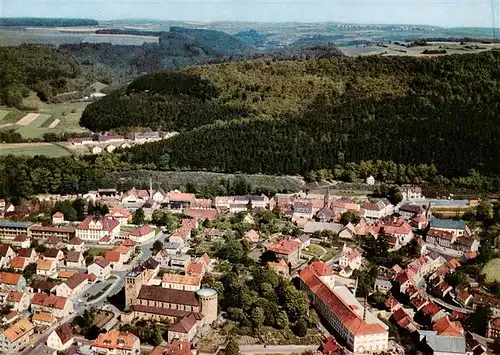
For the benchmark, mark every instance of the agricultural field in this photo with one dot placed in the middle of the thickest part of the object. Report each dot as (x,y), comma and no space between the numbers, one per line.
(49,118)
(492,270)
(49,149)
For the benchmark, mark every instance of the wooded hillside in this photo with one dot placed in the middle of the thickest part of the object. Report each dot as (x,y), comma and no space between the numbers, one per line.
(301,115)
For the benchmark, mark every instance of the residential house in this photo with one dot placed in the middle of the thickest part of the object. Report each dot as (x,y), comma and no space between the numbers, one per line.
(163,258)
(189,223)
(43,232)
(202,214)
(43,320)
(186,328)
(407,211)
(201,204)
(255,201)
(370,180)
(10,318)
(6,254)
(180,236)
(176,347)
(325,214)
(252,236)
(457,228)
(76,244)
(467,244)
(397,229)
(28,253)
(142,234)
(12,281)
(463,296)
(100,268)
(195,269)
(72,286)
(349,261)
(440,237)
(59,307)
(286,249)
(58,218)
(302,210)
(179,261)
(348,232)
(75,259)
(61,338)
(121,215)
(16,337)
(110,138)
(116,342)
(46,286)
(419,221)
(382,285)
(412,192)
(53,242)
(21,241)
(304,240)
(93,229)
(19,301)
(405,278)
(53,254)
(18,263)
(181,282)
(404,320)
(114,258)
(361,330)
(124,251)
(378,210)
(179,201)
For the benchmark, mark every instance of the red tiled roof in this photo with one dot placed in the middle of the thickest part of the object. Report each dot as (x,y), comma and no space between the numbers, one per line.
(285,247)
(65,332)
(52,229)
(445,327)
(115,339)
(49,301)
(436,233)
(119,213)
(141,231)
(108,224)
(392,225)
(112,256)
(9,278)
(4,249)
(128,243)
(15,296)
(186,323)
(430,309)
(58,215)
(101,262)
(401,318)
(25,252)
(18,262)
(156,293)
(346,315)
(406,275)
(122,249)
(76,280)
(180,196)
(182,233)
(20,238)
(177,347)
(418,301)
(194,269)
(321,269)
(75,241)
(188,223)
(210,214)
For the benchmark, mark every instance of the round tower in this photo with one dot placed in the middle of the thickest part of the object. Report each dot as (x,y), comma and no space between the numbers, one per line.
(208,298)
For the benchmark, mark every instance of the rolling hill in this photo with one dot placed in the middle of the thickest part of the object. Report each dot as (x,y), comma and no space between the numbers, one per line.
(294,116)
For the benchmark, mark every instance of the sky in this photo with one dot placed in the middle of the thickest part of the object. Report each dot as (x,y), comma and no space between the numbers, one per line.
(446,13)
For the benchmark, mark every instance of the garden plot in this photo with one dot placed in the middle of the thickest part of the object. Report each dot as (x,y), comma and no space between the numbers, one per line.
(28,119)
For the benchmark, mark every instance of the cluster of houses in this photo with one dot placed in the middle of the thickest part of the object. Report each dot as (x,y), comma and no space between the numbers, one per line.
(109,143)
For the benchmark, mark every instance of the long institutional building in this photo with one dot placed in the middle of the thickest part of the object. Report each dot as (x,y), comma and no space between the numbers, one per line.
(361,330)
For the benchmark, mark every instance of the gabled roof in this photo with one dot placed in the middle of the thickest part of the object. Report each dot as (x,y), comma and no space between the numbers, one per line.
(210,214)
(76,280)
(141,231)
(18,329)
(101,262)
(445,327)
(115,339)
(186,323)
(65,332)
(18,262)
(436,233)
(49,301)
(15,296)
(177,347)
(285,247)
(182,279)
(112,256)
(168,295)
(76,241)
(52,253)
(53,240)
(4,249)
(108,224)
(43,317)
(20,238)
(321,269)
(9,278)
(25,252)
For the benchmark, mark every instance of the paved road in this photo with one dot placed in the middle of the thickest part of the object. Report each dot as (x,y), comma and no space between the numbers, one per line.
(276,349)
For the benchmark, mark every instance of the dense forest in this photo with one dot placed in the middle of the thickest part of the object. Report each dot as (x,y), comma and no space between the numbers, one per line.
(39,68)
(46,22)
(288,117)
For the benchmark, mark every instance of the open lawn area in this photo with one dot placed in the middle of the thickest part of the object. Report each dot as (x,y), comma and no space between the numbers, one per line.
(52,118)
(492,270)
(315,250)
(31,149)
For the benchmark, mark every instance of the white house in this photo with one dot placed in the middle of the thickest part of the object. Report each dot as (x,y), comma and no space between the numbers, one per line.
(59,307)
(100,268)
(370,180)
(57,218)
(96,150)
(142,234)
(61,338)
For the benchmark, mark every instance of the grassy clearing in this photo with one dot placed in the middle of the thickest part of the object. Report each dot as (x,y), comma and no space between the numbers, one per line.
(48,149)
(41,119)
(492,270)
(330,254)
(3,113)
(13,116)
(315,250)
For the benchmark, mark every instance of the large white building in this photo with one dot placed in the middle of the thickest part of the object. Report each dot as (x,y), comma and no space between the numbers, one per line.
(93,229)
(361,330)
